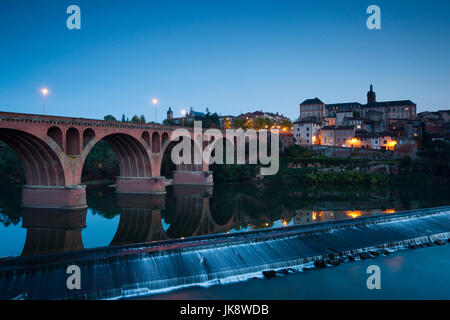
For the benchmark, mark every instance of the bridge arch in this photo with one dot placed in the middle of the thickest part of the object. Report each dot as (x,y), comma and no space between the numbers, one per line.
(156,146)
(72,142)
(56,134)
(134,160)
(146,137)
(88,136)
(164,139)
(41,163)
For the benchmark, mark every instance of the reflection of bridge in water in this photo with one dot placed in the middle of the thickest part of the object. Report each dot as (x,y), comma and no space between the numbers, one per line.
(192,211)
(190,215)
(59,230)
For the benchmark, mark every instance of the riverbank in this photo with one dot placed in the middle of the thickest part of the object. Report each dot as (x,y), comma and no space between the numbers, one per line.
(302,166)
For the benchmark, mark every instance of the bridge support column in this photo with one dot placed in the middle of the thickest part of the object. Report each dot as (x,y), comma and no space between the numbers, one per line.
(193,178)
(71,197)
(149,185)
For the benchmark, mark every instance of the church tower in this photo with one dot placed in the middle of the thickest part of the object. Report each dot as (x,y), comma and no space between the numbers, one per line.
(371,97)
(169,114)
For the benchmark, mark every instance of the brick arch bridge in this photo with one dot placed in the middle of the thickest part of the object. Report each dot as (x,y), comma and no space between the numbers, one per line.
(53,151)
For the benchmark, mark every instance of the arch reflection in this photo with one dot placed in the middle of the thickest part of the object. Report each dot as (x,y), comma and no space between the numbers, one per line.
(140,219)
(52,230)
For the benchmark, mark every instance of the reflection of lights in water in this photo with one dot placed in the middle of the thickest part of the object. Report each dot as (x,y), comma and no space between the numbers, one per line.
(388,211)
(267,224)
(353,213)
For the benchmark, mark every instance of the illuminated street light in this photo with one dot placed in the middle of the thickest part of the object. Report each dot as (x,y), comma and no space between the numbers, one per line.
(44,92)
(183,113)
(155,102)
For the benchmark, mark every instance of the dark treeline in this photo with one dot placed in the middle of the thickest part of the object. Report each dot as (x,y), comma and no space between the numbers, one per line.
(209,120)
(101,163)
(134,119)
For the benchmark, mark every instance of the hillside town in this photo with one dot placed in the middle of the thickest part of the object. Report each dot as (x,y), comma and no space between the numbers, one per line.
(378,125)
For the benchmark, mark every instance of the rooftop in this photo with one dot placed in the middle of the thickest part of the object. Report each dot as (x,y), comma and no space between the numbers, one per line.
(312,101)
(395,103)
(338,127)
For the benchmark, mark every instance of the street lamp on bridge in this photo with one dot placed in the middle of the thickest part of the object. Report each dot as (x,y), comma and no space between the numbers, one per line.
(44,92)
(183,113)
(155,102)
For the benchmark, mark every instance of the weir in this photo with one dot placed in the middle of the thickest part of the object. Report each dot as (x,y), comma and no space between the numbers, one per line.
(134,270)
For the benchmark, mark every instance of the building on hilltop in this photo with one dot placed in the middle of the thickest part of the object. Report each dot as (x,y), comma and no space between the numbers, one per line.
(307,132)
(190,116)
(312,108)
(385,110)
(332,109)
(436,124)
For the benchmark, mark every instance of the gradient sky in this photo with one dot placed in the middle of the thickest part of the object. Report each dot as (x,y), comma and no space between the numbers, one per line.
(228,56)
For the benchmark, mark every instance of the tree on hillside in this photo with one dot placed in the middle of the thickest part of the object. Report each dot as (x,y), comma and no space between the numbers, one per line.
(239,123)
(435,153)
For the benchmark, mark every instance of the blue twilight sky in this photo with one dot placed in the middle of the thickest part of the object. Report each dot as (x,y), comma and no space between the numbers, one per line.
(228,56)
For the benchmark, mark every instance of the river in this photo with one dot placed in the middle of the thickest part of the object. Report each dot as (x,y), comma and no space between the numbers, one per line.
(113,219)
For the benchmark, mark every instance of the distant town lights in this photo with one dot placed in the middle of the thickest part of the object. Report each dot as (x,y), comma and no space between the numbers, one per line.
(392,143)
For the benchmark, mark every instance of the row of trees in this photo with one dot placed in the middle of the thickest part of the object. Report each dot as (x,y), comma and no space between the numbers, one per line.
(209,120)
(134,119)
(212,120)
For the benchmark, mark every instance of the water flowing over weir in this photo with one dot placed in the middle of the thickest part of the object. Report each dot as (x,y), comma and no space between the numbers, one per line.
(134,270)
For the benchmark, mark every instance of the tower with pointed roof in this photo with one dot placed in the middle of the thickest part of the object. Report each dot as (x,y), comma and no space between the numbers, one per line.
(371,97)
(170,114)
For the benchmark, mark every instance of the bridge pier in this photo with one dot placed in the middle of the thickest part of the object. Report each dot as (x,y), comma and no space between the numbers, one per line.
(193,178)
(70,197)
(148,185)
